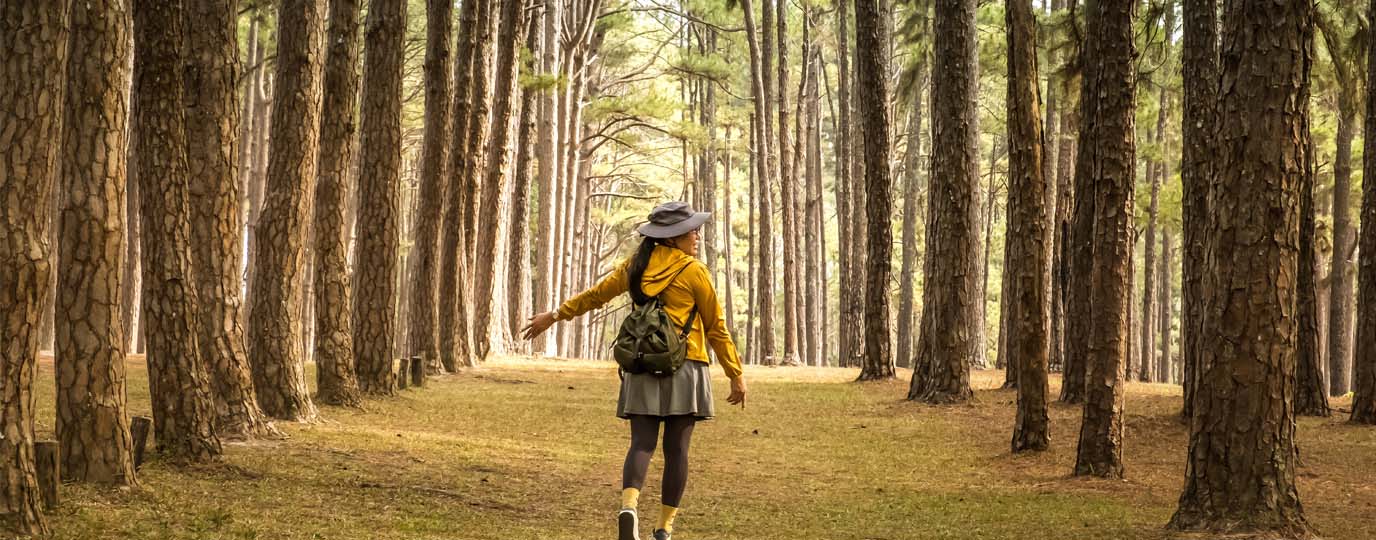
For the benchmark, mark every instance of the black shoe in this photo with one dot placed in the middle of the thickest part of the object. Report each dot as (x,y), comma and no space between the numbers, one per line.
(627,525)
(661,534)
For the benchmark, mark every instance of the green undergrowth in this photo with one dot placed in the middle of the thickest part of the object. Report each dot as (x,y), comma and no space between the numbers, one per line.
(530,449)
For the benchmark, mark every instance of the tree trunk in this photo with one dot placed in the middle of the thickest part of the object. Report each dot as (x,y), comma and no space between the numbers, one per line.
(518,240)
(92,412)
(217,226)
(183,415)
(257,185)
(912,211)
(1240,473)
(1200,65)
(1344,240)
(728,236)
(1025,245)
(1072,384)
(130,286)
(1155,172)
(1106,163)
(1364,380)
(513,17)
(334,344)
(546,246)
(379,182)
(944,345)
(872,66)
(1164,370)
(1310,398)
(274,321)
(472,171)
(764,249)
(455,340)
(424,320)
(34,36)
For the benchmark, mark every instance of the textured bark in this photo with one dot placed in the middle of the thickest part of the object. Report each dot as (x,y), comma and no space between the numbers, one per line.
(1240,472)
(1072,384)
(1025,245)
(379,181)
(518,238)
(871,65)
(274,321)
(455,340)
(34,36)
(944,345)
(1199,49)
(513,17)
(336,382)
(1364,380)
(815,238)
(788,189)
(1310,398)
(423,328)
(1105,162)
(183,413)
(92,412)
(217,212)
(474,163)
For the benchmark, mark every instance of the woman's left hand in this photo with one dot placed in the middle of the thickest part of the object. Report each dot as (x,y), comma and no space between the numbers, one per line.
(537,325)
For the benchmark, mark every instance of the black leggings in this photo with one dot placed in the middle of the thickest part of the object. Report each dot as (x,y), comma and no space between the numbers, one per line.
(678,431)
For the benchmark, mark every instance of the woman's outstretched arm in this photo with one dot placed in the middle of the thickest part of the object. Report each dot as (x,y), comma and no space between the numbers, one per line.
(610,287)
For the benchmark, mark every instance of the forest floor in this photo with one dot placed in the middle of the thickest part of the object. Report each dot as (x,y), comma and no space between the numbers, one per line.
(525,448)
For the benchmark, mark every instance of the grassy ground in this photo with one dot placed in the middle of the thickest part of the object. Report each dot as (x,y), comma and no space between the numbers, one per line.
(531,449)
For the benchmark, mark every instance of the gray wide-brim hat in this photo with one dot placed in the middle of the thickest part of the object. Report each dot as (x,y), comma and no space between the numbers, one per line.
(673,219)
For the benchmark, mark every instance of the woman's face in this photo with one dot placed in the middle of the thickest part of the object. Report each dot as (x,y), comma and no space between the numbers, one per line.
(687,243)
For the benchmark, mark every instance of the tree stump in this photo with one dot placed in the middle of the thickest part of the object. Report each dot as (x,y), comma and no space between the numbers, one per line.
(139,428)
(402,372)
(417,371)
(45,456)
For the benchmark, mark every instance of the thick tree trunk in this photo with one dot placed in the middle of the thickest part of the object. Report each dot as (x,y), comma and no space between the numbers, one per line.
(1310,398)
(944,345)
(455,340)
(424,320)
(34,36)
(472,170)
(334,344)
(1105,162)
(1025,246)
(844,206)
(217,210)
(92,411)
(1200,64)
(1364,380)
(513,17)
(274,321)
(379,181)
(1240,473)
(872,65)
(183,414)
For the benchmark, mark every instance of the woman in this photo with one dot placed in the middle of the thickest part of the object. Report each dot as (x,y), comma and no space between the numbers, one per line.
(664,266)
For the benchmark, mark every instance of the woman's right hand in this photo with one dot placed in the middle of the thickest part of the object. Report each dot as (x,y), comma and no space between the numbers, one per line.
(537,325)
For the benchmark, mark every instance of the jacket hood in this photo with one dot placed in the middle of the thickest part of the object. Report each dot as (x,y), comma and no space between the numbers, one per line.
(665,264)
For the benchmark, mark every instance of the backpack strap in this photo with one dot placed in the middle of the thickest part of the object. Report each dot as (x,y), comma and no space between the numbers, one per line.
(688,326)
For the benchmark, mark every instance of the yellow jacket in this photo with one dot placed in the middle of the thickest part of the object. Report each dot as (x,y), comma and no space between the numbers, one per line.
(692,287)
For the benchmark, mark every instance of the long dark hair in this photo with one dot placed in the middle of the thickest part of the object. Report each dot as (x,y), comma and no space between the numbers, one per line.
(636,270)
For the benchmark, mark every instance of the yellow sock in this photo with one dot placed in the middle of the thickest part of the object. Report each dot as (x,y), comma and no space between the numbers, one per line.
(666,517)
(630,498)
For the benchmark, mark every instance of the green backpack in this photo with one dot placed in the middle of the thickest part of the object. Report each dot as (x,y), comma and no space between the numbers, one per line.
(648,341)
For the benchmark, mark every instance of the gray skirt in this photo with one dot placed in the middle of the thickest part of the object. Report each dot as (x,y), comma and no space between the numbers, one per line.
(687,391)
